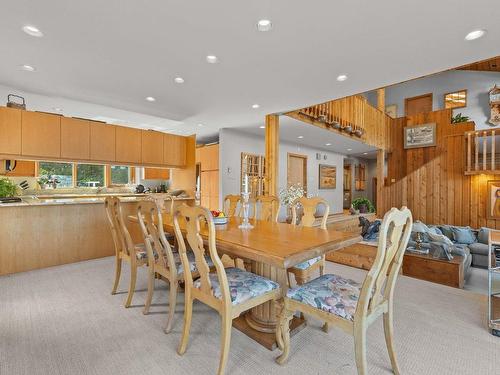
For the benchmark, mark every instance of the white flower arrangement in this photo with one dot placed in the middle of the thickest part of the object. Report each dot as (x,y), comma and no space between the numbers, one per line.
(290,194)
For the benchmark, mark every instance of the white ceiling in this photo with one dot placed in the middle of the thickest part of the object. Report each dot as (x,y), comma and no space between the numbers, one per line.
(117,52)
(315,137)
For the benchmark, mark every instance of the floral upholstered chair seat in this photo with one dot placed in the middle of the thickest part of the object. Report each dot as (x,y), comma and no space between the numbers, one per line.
(308,263)
(141,253)
(330,293)
(243,285)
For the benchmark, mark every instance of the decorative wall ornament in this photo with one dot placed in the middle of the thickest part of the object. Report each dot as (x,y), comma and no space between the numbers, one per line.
(494,199)
(420,136)
(495,105)
(327,176)
(392,110)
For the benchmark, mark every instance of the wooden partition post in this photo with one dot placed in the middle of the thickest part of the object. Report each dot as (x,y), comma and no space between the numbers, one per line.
(272,153)
(381,99)
(380,183)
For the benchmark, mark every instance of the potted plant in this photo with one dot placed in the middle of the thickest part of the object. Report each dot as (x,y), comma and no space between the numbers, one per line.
(458,118)
(362,204)
(7,188)
(43,181)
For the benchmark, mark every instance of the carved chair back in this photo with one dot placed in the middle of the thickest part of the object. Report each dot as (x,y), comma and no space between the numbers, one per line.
(232,205)
(310,206)
(269,207)
(110,205)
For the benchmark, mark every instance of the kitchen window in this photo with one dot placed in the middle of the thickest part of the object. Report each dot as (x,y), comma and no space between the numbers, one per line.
(120,175)
(90,175)
(62,173)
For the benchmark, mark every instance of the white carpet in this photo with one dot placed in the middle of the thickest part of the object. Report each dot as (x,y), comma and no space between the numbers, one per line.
(63,320)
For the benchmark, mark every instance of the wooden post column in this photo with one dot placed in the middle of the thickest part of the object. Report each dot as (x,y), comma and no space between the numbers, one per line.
(381,99)
(380,183)
(272,153)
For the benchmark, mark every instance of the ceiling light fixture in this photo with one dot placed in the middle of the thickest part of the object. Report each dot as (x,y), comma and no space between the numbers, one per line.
(262,126)
(150,99)
(300,137)
(179,80)
(255,106)
(200,125)
(33,31)
(328,144)
(349,149)
(28,68)
(212,59)
(365,153)
(341,77)
(264,25)
(475,34)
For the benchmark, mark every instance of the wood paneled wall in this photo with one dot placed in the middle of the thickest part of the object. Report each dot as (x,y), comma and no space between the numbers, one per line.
(431,180)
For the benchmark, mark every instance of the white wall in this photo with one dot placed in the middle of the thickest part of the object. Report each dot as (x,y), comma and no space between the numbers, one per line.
(477,84)
(233,142)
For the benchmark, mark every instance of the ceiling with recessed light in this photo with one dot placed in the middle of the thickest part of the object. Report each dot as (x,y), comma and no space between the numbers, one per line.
(118,52)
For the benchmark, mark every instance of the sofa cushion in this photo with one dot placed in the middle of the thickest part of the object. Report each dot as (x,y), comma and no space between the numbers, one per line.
(446,230)
(434,230)
(478,248)
(463,235)
(482,236)
(461,250)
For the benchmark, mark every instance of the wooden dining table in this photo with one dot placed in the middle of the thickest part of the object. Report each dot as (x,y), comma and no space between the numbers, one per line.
(269,249)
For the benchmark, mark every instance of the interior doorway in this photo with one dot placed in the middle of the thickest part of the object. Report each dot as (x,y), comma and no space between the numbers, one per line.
(297,170)
(418,104)
(347,186)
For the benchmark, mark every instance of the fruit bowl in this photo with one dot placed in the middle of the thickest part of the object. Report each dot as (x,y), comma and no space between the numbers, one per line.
(219,217)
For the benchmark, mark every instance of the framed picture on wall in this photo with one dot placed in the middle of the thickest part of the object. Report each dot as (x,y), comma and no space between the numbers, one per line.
(420,136)
(392,110)
(493,189)
(327,176)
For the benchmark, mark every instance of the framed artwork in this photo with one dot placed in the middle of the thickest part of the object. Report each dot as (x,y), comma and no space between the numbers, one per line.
(420,136)
(327,176)
(392,110)
(457,99)
(494,94)
(493,189)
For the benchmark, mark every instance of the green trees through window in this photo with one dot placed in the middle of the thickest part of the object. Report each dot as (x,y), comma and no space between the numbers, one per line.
(89,175)
(120,175)
(63,172)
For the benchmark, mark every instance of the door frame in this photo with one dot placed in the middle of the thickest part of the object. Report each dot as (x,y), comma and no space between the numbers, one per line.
(304,161)
(419,97)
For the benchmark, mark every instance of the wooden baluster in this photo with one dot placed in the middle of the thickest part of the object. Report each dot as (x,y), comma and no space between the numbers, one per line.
(492,150)
(468,152)
(484,150)
(476,144)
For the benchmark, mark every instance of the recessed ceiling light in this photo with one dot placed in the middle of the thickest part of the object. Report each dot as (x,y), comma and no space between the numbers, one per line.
(57,109)
(211,59)
(179,80)
(262,127)
(300,137)
(264,25)
(150,99)
(476,34)
(255,106)
(200,125)
(341,77)
(328,144)
(349,149)
(28,68)
(365,153)
(32,30)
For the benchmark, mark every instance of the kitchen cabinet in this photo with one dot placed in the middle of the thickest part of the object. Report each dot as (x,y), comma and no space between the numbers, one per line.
(10,131)
(41,135)
(23,168)
(102,141)
(174,150)
(208,157)
(156,173)
(209,189)
(152,147)
(128,145)
(75,138)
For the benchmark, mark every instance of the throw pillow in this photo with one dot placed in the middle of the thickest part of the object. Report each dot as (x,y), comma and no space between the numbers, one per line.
(435,230)
(446,230)
(440,238)
(463,235)
(482,236)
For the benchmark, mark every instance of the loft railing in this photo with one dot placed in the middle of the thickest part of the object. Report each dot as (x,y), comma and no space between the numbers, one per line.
(352,116)
(482,152)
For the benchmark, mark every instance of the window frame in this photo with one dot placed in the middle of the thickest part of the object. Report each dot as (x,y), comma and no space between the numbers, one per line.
(455,92)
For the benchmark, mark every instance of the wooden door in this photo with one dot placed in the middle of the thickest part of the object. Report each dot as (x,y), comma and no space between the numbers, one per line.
(418,104)
(174,150)
(10,131)
(102,141)
(75,138)
(297,170)
(41,134)
(347,187)
(128,145)
(152,147)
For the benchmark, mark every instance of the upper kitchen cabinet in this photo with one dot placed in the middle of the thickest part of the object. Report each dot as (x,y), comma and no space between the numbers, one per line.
(75,138)
(174,150)
(128,145)
(208,157)
(10,131)
(41,135)
(152,147)
(102,141)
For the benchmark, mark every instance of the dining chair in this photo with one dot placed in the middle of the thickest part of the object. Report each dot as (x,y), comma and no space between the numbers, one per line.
(125,249)
(303,271)
(162,259)
(350,305)
(230,291)
(266,208)
(232,205)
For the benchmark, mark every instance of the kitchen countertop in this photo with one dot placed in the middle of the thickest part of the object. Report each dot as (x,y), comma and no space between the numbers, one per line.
(76,199)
